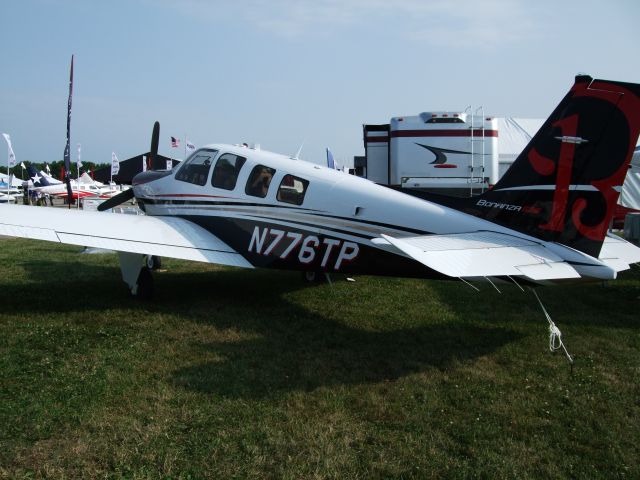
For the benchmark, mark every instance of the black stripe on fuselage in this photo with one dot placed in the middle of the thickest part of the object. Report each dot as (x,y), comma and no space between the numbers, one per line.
(377,224)
(281,221)
(308,211)
(160,201)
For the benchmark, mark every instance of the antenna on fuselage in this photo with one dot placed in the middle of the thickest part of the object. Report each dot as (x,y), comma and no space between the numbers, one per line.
(297,156)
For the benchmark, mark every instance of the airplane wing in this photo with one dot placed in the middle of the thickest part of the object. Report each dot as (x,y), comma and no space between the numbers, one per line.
(484,254)
(162,236)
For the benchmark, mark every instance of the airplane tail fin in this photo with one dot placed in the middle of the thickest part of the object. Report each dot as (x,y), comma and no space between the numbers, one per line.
(37,179)
(565,184)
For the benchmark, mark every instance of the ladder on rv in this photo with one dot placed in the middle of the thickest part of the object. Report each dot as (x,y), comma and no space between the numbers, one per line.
(473,179)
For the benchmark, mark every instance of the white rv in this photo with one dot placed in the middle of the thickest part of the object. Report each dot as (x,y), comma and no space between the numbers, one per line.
(445,152)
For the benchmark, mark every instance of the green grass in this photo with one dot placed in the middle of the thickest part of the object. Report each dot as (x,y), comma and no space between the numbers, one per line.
(253,374)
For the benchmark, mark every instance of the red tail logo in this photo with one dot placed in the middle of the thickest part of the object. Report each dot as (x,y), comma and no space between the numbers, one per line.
(545,166)
(563,169)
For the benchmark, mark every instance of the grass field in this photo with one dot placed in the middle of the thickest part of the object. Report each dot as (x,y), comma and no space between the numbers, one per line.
(253,374)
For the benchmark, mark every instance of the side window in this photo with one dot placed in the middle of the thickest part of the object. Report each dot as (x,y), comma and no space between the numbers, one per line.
(195,169)
(259,180)
(225,173)
(292,190)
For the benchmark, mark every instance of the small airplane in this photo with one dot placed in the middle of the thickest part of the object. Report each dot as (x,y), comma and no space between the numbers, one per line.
(48,177)
(6,187)
(85,186)
(545,221)
(4,198)
(8,191)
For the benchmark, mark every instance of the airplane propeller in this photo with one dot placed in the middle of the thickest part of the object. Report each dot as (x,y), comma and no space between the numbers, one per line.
(155,139)
(128,194)
(116,200)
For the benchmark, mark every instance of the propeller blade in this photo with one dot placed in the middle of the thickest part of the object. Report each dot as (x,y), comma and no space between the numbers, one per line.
(116,200)
(155,139)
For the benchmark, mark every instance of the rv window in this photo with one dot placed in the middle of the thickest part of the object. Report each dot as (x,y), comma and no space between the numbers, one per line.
(445,120)
(292,190)
(195,169)
(225,173)
(259,180)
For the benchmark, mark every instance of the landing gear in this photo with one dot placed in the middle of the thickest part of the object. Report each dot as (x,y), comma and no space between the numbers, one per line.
(136,273)
(312,276)
(153,262)
(316,276)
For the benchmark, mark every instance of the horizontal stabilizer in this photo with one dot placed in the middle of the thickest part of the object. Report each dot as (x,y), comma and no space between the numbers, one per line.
(484,254)
(618,254)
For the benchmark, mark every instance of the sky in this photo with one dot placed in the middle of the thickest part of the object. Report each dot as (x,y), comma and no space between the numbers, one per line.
(285,73)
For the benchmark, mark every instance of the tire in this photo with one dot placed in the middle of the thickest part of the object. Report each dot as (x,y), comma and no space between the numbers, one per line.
(313,276)
(153,262)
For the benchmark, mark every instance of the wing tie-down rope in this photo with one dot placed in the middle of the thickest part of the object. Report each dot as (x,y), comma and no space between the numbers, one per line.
(555,335)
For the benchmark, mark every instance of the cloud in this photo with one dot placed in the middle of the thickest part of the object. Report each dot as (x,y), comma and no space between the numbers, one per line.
(461,23)
(485,24)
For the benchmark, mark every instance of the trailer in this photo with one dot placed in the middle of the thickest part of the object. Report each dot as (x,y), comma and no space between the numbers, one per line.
(453,153)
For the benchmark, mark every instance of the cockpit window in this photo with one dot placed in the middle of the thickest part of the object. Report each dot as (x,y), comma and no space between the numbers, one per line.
(195,169)
(292,190)
(259,180)
(225,173)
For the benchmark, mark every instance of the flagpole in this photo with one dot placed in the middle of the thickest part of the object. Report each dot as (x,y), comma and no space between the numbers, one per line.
(78,168)
(8,159)
(78,186)
(10,156)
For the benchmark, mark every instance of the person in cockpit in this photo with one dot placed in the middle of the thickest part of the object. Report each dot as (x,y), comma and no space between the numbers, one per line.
(260,184)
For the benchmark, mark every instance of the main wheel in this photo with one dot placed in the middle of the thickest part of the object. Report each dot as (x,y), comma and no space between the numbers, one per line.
(313,276)
(153,262)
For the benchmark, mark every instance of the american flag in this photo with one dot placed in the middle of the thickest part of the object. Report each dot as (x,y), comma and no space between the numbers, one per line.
(175,142)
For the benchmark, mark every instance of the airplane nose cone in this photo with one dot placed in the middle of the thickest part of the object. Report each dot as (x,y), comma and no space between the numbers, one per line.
(149,176)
